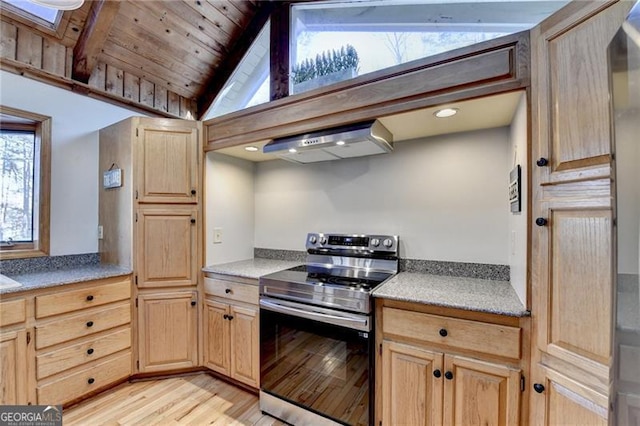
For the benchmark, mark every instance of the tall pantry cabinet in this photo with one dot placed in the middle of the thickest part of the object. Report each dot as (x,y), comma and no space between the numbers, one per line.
(573,216)
(151,223)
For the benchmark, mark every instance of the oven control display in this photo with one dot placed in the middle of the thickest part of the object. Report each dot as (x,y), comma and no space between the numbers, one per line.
(339,240)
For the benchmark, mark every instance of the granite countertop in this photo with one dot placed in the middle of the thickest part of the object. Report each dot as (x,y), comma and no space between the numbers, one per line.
(497,297)
(62,276)
(251,268)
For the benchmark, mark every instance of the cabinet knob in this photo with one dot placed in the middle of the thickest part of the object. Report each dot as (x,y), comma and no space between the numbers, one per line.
(91,380)
(227,290)
(193,220)
(448,375)
(538,387)
(193,192)
(89,298)
(541,221)
(225,316)
(542,162)
(437,374)
(230,317)
(90,324)
(443,332)
(89,351)
(193,303)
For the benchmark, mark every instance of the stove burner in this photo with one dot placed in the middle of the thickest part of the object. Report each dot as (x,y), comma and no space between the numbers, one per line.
(353,283)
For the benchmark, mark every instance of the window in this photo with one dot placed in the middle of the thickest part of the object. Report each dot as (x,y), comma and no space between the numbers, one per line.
(392,32)
(45,13)
(25,146)
(46,19)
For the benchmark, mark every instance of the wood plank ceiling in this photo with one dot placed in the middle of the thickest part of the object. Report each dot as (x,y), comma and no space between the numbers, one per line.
(168,57)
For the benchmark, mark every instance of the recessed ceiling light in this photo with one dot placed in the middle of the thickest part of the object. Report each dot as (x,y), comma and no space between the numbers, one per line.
(251,148)
(293,150)
(340,143)
(446,112)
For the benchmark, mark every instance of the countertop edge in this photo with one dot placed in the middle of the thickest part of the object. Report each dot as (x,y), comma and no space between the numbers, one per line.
(25,287)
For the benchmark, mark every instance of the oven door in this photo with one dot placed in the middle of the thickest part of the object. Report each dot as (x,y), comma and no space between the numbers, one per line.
(317,359)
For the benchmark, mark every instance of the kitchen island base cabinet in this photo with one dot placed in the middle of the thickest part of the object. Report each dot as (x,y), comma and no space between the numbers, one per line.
(231,329)
(167,331)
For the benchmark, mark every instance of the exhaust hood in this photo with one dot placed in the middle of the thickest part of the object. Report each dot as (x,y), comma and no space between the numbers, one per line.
(354,140)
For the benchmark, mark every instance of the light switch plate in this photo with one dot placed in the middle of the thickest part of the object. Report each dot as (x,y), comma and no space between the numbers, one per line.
(217,235)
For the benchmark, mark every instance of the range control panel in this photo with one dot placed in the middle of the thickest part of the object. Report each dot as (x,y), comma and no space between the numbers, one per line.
(385,243)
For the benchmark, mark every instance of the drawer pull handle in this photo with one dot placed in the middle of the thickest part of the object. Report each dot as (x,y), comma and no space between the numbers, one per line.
(89,298)
(437,374)
(89,351)
(448,375)
(227,290)
(91,380)
(90,324)
(538,387)
(443,332)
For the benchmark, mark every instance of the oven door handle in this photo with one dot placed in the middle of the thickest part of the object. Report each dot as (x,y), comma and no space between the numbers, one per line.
(343,321)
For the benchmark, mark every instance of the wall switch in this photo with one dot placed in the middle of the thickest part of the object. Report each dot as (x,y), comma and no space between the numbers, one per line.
(100,232)
(217,235)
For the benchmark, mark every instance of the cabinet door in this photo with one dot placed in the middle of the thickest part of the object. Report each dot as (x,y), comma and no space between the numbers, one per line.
(167,247)
(480,393)
(13,364)
(168,164)
(411,393)
(167,331)
(217,347)
(245,341)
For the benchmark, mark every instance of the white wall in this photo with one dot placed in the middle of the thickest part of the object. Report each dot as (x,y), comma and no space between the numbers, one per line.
(518,221)
(229,204)
(445,196)
(76,120)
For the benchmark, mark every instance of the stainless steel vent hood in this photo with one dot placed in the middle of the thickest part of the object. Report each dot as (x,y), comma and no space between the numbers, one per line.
(355,140)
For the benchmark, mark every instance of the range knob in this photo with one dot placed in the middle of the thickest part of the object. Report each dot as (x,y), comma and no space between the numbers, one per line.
(313,239)
(375,242)
(323,240)
(387,243)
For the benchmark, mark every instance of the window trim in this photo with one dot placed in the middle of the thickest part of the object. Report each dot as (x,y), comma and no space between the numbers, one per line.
(42,124)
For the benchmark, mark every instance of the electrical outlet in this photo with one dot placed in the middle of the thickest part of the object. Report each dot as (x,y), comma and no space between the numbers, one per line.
(100,232)
(217,235)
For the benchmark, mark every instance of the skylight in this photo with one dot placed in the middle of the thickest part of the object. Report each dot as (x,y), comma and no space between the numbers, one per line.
(47,14)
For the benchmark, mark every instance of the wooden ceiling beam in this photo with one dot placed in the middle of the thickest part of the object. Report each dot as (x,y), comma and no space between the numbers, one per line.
(279,52)
(92,39)
(217,80)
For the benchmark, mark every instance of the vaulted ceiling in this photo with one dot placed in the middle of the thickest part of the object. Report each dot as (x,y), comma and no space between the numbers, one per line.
(168,57)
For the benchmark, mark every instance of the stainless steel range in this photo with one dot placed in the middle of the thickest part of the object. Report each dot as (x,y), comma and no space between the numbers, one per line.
(316,330)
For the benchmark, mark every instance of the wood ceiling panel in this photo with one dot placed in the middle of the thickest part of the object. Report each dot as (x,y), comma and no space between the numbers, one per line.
(159,17)
(143,36)
(220,14)
(118,57)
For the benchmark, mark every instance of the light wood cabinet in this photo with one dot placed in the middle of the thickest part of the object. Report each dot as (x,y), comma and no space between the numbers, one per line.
(13,362)
(433,369)
(573,217)
(231,330)
(167,331)
(152,224)
(167,247)
(83,339)
(168,157)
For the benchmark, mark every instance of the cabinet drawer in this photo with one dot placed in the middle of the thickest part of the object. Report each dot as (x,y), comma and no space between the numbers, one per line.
(70,301)
(492,339)
(94,377)
(98,346)
(229,290)
(13,312)
(72,327)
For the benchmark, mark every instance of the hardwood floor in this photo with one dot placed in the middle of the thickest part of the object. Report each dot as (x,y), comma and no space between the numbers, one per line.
(189,400)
